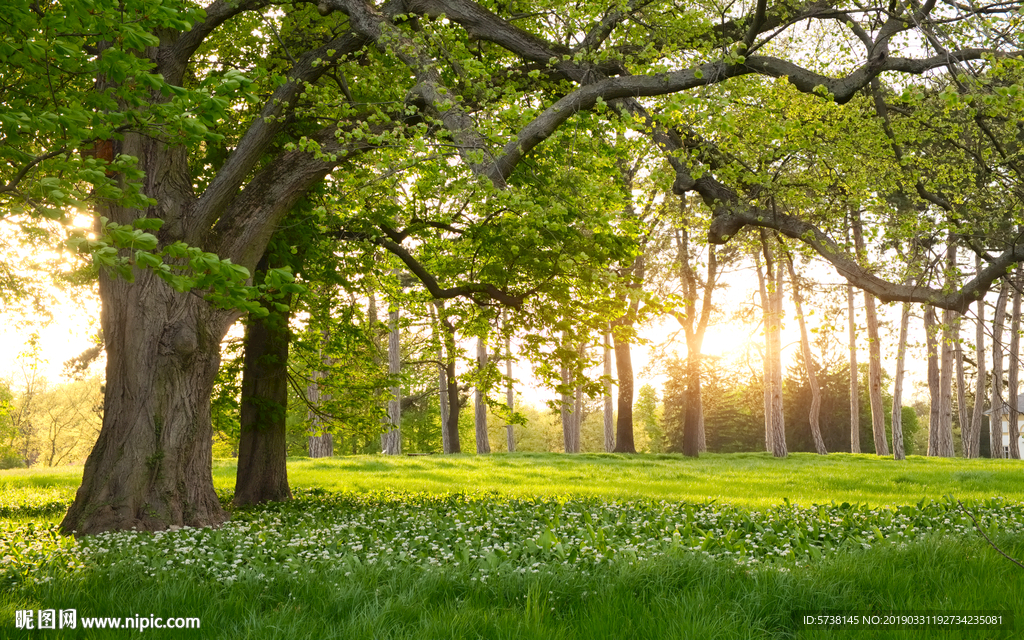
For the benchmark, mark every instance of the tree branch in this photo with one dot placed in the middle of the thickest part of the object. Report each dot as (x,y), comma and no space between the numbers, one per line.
(242,232)
(217,14)
(261,133)
(430,92)
(473,291)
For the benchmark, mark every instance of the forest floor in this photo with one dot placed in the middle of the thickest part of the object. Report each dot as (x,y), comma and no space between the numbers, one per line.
(582,547)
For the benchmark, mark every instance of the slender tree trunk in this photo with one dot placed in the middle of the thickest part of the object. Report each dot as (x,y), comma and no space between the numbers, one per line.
(378,393)
(961,394)
(391,441)
(609,428)
(935,403)
(769,433)
(320,443)
(875,377)
(450,420)
(577,420)
(577,411)
(694,440)
(564,408)
(624,419)
(442,383)
(442,387)
(874,354)
(483,444)
(510,397)
(702,442)
(898,449)
(262,473)
(854,375)
(944,433)
(998,405)
(972,439)
(1013,365)
(809,365)
(571,406)
(775,426)
(778,417)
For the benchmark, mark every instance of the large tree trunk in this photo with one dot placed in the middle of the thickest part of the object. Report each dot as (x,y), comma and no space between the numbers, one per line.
(898,449)
(151,465)
(1013,365)
(972,435)
(483,443)
(609,427)
(998,406)
(809,365)
(262,473)
(702,442)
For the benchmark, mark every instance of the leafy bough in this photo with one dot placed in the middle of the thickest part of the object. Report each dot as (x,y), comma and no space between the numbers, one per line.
(122,248)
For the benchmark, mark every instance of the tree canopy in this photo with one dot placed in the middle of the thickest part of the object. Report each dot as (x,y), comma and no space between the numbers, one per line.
(480,143)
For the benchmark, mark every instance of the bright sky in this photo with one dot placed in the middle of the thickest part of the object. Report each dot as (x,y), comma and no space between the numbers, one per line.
(68,331)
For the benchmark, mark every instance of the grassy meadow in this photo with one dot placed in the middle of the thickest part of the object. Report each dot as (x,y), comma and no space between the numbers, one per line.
(543,546)
(753,480)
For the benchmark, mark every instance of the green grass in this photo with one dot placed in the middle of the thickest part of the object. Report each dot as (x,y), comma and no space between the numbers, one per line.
(650,547)
(754,480)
